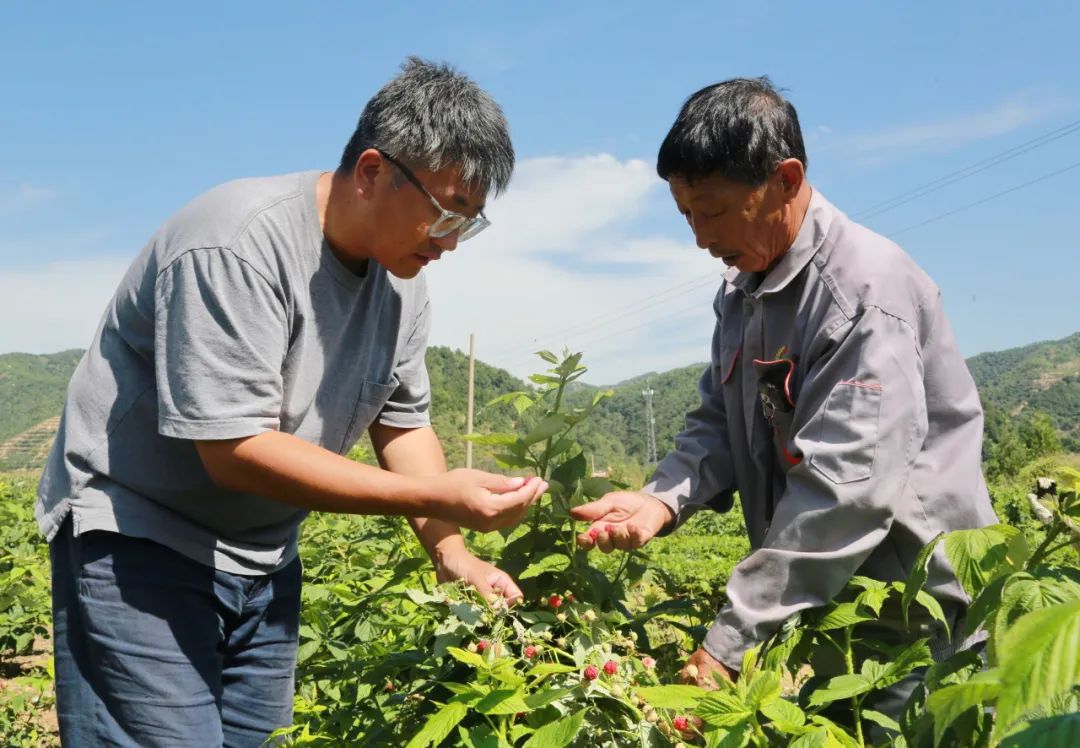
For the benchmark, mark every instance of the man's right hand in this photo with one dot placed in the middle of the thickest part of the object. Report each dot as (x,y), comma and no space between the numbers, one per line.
(622,519)
(483,501)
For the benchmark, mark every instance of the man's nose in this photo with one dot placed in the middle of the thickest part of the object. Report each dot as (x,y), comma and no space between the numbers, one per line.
(446,243)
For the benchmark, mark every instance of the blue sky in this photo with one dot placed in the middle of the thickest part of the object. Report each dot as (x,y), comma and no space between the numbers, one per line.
(115,114)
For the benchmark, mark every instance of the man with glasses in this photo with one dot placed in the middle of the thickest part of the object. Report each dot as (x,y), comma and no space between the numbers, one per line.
(264,327)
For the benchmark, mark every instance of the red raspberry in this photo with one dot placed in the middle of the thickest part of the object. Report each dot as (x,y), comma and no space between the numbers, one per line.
(611,667)
(481,646)
(590,672)
(594,533)
(555,601)
(570,597)
(680,723)
(530,651)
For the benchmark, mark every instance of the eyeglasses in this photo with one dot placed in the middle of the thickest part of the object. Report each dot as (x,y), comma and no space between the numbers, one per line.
(448,221)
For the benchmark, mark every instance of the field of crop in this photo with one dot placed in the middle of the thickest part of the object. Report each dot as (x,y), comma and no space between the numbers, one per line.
(591,658)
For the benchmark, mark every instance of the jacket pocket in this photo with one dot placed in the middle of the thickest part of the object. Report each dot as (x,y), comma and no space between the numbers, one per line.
(373,396)
(849,432)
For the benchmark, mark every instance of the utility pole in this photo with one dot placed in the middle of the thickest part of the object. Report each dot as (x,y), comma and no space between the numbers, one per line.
(469,402)
(650,425)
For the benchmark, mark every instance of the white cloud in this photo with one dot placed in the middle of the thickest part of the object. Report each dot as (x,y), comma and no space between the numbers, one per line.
(565,264)
(23,197)
(939,135)
(56,306)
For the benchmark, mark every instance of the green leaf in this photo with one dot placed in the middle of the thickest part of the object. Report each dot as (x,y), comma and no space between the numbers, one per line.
(1040,658)
(672,696)
(951,701)
(933,607)
(978,556)
(840,687)
(722,709)
(547,428)
(873,598)
(552,562)
(785,715)
(880,719)
(1052,732)
(503,701)
(541,699)
(548,356)
(557,734)
(917,578)
(439,726)
(491,440)
(764,687)
(469,658)
(545,669)
(306,650)
(842,616)
(571,470)
(916,655)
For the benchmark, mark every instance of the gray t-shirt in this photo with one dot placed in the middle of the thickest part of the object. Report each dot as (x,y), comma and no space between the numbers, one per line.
(235,319)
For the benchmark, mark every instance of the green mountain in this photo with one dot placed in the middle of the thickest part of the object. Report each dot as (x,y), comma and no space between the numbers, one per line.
(1042,377)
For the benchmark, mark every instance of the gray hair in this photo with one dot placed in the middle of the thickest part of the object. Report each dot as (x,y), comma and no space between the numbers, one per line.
(432,116)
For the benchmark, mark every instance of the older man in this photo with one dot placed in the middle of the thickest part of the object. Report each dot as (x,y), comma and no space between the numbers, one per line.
(837,403)
(261,331)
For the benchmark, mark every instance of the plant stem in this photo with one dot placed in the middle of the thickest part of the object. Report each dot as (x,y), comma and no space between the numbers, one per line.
(1041,552)
(849,660)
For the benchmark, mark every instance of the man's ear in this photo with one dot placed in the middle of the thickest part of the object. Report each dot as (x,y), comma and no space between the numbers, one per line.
(791,174)
(368,166)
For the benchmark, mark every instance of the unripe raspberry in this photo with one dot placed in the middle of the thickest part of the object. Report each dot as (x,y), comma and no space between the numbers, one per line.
(561,617)
(530,652)
(692,671)
(648,662)
(590,672)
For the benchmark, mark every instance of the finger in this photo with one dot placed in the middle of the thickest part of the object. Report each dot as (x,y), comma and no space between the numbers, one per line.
(593,511)
(603,541)
(503,584)
(587,539)
(519,498)
(502,483)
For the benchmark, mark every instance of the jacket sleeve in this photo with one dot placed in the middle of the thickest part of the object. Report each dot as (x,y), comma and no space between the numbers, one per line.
(699,472)
(859,424)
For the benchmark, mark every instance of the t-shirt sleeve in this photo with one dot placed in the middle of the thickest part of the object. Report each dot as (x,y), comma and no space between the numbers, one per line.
(409,406)
(220,337)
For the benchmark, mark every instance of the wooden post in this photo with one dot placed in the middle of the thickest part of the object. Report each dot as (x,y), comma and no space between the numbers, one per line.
(469,402)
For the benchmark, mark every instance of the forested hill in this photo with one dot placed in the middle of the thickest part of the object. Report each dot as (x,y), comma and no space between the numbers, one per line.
(1042,377)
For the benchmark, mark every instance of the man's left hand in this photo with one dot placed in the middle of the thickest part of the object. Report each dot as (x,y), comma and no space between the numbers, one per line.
(490,581)
(702,669)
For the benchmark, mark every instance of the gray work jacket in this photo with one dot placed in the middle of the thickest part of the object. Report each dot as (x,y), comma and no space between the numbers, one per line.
(839,407)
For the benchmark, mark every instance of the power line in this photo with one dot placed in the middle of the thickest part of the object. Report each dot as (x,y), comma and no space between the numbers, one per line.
(968,171)
(962,208)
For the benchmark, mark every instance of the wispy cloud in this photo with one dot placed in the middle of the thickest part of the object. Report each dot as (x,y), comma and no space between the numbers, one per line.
(1009,115)
(23,197)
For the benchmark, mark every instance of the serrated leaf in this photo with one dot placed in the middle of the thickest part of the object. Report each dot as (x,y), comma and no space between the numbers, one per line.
(842,616)
(543,698)
(548,356)
(785,715)
(881,719)
(672,696)
(917,578)
(552,562)
(915,656)
(1052,732)
(764,687)
(503,701)
(439,725)
(840,687)
(547,428)
(557,734)
(951,701)
(722,709)
(978,556)
(545,669)
(1039,660)
(469,658)
(571,470)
